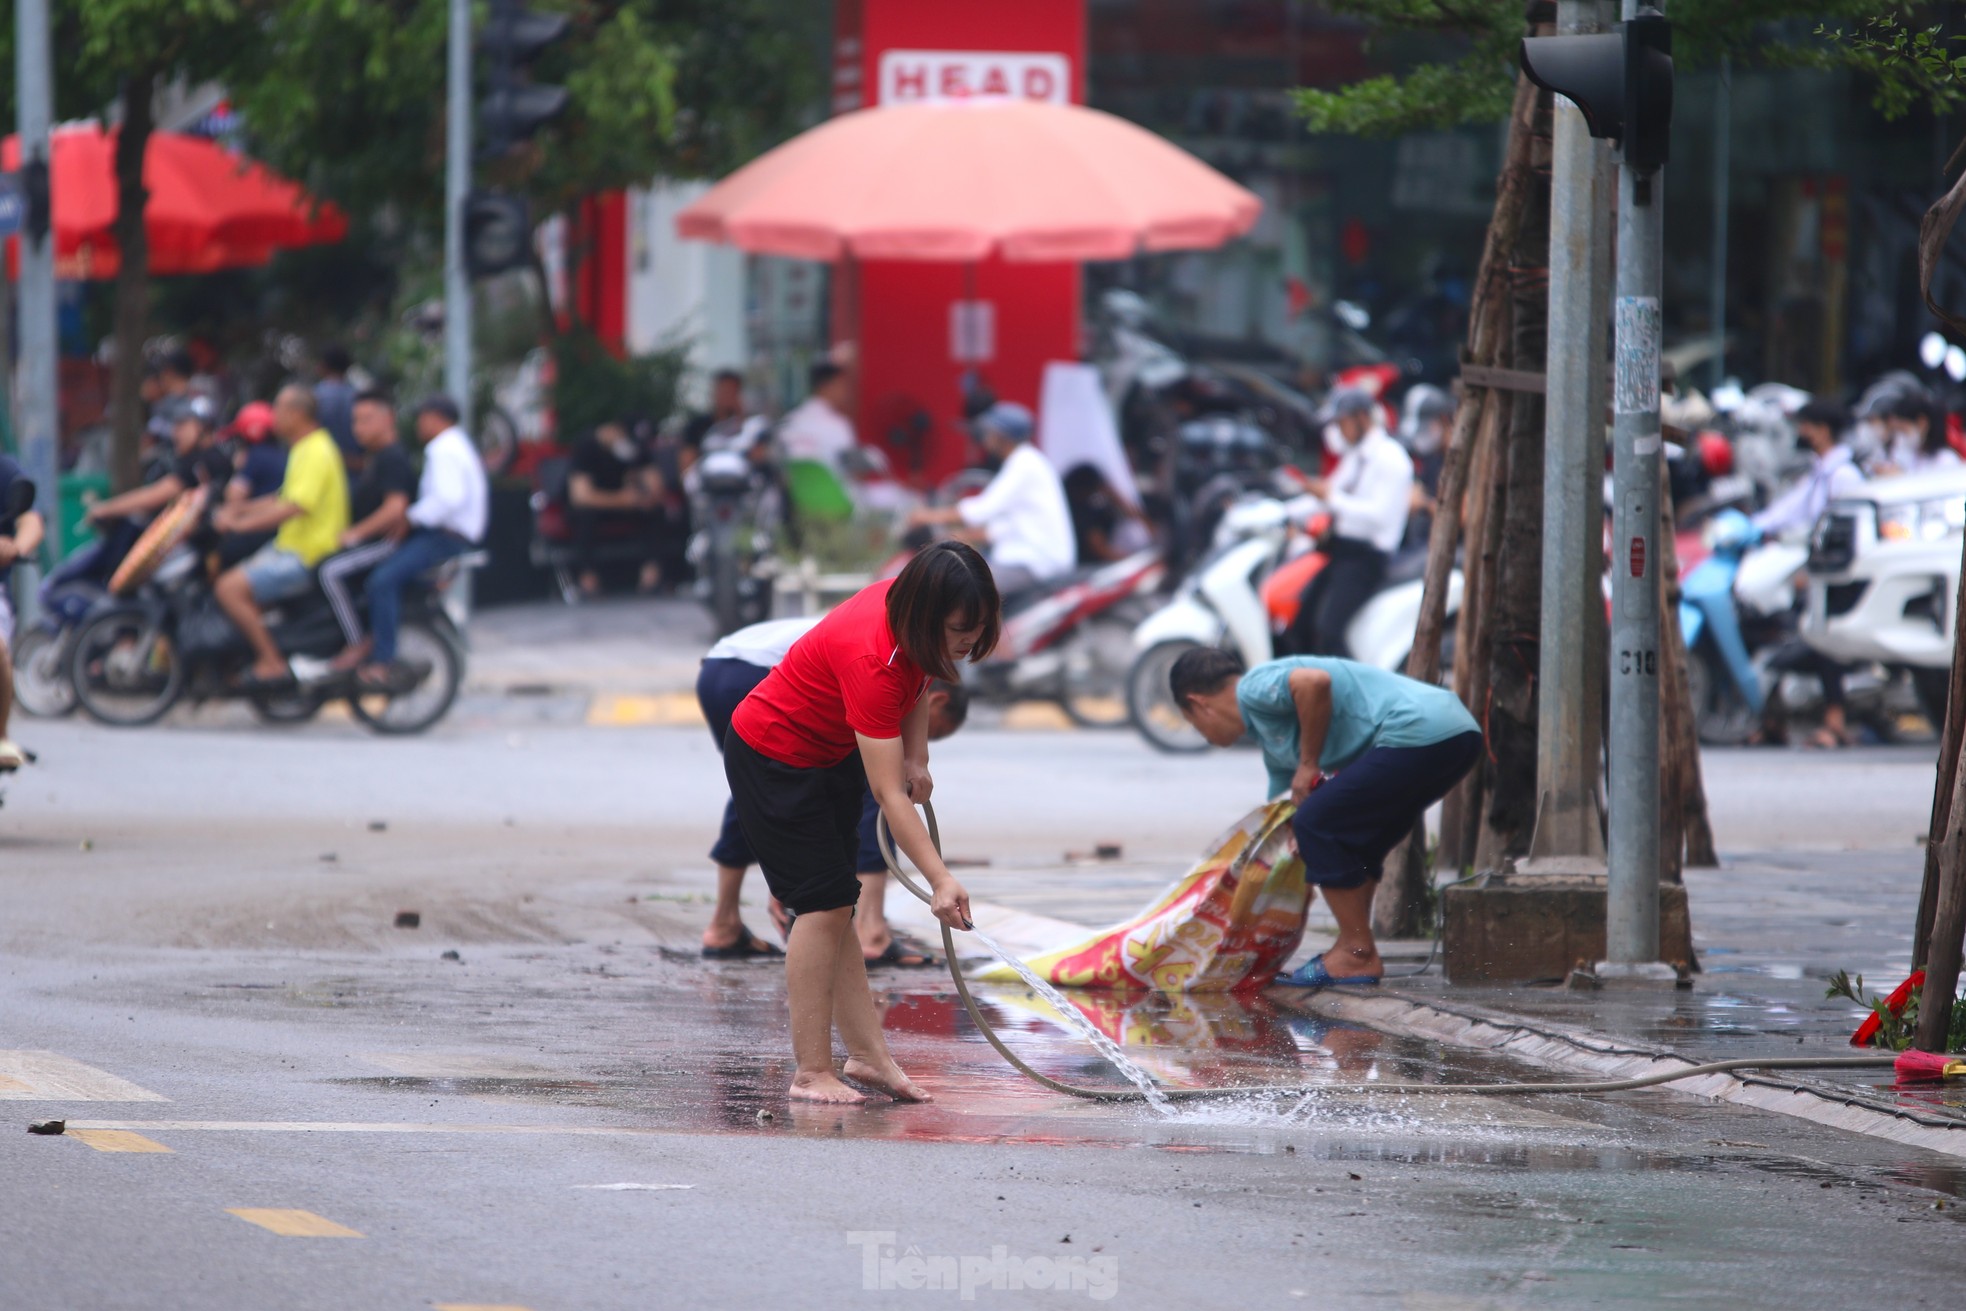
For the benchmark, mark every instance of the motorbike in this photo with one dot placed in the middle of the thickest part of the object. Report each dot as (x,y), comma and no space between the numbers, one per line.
(1071,642)
(67,596)
(136,658)
(1221,603)
(20,499)
(1733,606)
(737,508)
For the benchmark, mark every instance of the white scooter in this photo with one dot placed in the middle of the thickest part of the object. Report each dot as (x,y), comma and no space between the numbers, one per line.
(1220,603)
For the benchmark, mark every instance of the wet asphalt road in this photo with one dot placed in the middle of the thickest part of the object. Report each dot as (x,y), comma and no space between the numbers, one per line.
(200,971)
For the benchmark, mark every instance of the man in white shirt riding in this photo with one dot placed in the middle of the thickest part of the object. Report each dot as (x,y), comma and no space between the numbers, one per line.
(448,517)
(1021,520)
(1369,494)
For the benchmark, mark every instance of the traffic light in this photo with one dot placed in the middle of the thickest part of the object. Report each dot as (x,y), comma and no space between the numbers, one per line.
(1622,81)
(497,233)
(516,108)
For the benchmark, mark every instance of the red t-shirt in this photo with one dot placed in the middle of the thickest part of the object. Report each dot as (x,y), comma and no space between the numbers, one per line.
(846,676)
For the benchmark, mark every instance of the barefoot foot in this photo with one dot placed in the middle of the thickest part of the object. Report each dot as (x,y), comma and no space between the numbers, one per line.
(823,1088)
(888,1078)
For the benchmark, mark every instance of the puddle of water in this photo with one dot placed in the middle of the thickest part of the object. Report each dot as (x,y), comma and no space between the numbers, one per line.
(1105,1046)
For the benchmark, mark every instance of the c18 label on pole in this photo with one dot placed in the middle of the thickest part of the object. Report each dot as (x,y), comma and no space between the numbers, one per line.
(1635,378)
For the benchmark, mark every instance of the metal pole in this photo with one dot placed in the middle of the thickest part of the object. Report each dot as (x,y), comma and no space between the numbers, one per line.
(1567,819)
(1723,149)
(37,386)
(1632,909)
(457,279)
(457,186)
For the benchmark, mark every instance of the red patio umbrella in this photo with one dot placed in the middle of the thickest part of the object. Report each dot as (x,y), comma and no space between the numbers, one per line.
(208,209)
(957,181)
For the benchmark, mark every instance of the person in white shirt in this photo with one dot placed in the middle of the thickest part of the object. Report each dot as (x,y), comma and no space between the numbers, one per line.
(1021,519)
(730,670)
(448,517)
(1833,473)
(1918,436)
(1369,495)
(818,428)
(1819,426)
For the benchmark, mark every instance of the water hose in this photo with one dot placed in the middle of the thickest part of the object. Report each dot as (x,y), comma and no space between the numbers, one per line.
(885,840)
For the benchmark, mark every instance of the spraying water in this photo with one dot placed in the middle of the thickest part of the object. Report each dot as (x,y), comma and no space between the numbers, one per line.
(1106,1047)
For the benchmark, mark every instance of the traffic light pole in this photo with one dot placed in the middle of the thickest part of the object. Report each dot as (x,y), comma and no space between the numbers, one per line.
(457,187)
(1570,684)
(37,385)
(1632,910)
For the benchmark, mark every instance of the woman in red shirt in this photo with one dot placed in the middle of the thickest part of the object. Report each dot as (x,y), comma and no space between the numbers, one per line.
(844,711)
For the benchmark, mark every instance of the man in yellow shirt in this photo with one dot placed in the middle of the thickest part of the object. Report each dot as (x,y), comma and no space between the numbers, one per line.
(310,512)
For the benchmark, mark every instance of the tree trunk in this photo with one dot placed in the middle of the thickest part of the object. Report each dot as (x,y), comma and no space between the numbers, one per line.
(1948,929)
(1476,635)
(132,313)
(1686,827)
(1949,749)
(1512,655)
(1398,906)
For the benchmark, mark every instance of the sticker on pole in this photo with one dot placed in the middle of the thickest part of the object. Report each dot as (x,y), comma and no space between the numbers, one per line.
(1635,376)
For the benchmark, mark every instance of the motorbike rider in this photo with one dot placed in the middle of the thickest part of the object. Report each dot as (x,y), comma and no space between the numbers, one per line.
(309,513)
(20,538)
(1370,494)
(1424,418)
(1833,472)
(192,463)
(448,518)
(1917,423)
(1021,519)
(379,502)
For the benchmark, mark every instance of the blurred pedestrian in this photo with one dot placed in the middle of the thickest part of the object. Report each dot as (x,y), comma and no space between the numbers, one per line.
(615,493)
(20,538)
(1021,519)
(334,397)
(819,428)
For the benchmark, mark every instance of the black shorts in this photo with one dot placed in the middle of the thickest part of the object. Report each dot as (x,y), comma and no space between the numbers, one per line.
(1346,828)
(802,824)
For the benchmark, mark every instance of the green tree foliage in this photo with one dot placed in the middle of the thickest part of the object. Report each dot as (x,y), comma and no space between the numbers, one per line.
(351,96)
(1872,37)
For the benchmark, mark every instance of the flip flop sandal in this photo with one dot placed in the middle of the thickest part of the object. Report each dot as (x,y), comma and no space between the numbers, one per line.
(1312,974)
(781,919)
(749,946)
(898,957)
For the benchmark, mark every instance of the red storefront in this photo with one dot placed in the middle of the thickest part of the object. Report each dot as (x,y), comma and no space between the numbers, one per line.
(918,328)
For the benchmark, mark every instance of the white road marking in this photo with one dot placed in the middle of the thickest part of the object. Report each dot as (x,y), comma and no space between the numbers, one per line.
(636,1188)
(33,1076)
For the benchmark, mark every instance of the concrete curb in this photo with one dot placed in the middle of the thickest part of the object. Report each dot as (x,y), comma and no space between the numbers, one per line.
(1601,1055)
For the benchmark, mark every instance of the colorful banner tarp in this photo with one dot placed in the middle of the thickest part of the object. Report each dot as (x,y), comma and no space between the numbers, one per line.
(1227,926)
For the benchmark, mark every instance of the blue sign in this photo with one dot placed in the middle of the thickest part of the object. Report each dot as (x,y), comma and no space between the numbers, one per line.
(13,204)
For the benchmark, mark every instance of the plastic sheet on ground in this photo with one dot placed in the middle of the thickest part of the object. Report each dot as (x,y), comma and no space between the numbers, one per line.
(1227,926)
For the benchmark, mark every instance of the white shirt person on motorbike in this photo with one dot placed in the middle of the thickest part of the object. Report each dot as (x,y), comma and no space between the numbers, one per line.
(1369,494)
(1020,520)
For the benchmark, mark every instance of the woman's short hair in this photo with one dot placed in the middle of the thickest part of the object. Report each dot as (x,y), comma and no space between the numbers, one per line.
(1201,672)
(946,582)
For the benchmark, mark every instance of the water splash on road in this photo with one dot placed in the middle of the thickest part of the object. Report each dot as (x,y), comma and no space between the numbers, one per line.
(1105,1046)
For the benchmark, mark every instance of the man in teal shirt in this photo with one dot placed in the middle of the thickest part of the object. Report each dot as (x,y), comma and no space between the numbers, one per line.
(1362,753)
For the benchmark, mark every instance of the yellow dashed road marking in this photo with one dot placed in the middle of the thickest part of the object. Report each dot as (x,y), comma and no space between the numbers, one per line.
(1039,716)
(117,1140)
(47,1077)
(292,1224)
(634,711)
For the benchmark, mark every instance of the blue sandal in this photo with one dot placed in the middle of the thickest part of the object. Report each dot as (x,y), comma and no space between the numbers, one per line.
(1312,974)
